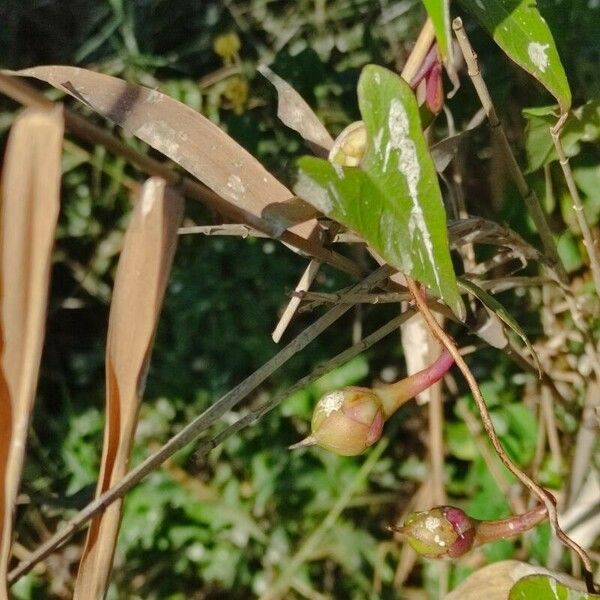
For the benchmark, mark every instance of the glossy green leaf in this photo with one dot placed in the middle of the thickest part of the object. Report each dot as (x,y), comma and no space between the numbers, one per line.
(439,13)
(520,30)
(583,125)
(544,587)
(496,307)
(393,199)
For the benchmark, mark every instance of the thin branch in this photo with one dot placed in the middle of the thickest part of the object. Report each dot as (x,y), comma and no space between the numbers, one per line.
(588,238)
(196,427)
(545,497)
(303,285)
(547,411)
(258,412)
(528,195)
(316,299)
(493,285)
(227,229)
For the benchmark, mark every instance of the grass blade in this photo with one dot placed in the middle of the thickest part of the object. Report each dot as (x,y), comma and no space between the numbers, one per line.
(30,197)
(138,293)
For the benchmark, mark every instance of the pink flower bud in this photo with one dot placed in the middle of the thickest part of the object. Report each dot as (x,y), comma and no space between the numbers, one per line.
(346,421)
(443,531)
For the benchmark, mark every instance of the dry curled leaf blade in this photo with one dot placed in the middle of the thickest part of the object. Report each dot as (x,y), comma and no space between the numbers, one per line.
(30,201)
(294,112)
(139,289)
(185,136)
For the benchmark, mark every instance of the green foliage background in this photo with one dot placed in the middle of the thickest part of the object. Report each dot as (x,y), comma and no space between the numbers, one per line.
(226,526)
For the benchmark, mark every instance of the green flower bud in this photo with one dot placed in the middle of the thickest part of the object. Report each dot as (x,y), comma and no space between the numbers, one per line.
(350,420)
(346,421)
(448,532)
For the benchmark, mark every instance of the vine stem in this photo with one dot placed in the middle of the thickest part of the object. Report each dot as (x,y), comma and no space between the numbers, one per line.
(588,238)
(545,497)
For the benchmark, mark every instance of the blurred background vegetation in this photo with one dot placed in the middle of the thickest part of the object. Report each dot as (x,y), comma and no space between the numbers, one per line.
(226,526)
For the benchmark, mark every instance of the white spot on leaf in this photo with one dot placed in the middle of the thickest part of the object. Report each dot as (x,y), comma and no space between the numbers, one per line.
(409,166)
(160,135)
(154,97)
(339,170)
(377,141)
(538,55)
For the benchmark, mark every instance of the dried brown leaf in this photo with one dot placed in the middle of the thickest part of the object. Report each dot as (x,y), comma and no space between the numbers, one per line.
(139,288)
(185,136)
(30,197)
(294,112)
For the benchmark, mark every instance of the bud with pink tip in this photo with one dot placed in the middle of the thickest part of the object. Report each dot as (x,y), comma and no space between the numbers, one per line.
(439,532)
(448,532)
(350,420)
(346,421)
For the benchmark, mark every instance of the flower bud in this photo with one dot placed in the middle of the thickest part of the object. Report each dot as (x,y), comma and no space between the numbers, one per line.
(443,531)
(346,421)
(350,146)
(350,420)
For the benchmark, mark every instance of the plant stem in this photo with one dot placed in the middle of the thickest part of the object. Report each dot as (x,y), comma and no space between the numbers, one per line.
(528,195)
(545,497)
(489,531)
(588,238)
(393,396)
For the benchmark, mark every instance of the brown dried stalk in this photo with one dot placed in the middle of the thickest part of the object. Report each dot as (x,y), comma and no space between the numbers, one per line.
(30,201)
(591,244)
(529,196)
(140,283)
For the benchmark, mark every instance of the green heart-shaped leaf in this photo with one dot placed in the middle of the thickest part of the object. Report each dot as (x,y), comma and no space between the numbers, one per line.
(393,199)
